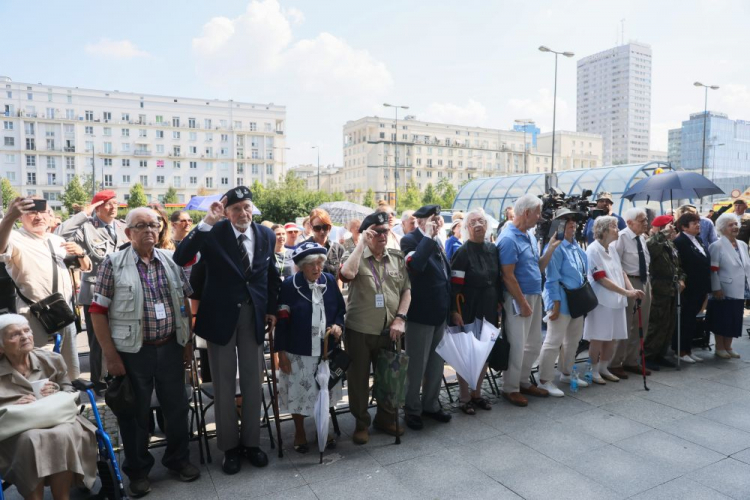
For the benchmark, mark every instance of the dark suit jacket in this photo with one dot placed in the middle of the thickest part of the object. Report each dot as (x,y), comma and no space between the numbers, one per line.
(429,273)
(696,267)
(226,287)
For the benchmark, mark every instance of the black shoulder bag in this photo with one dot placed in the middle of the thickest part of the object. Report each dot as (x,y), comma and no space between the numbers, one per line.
(53,312)
(581,300)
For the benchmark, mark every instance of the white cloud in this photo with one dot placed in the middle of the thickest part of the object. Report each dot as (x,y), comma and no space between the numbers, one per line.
(472,114)
(540,109)
(117,49)
(734,96)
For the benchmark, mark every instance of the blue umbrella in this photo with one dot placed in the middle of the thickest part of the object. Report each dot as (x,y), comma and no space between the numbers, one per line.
(675,185)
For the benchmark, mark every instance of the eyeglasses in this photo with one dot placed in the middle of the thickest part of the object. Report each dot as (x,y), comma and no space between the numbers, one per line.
(152,226)
(322,227)
(381,232)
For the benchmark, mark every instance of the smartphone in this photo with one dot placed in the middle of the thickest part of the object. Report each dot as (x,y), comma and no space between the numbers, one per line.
(39,206)
(557,228)
(560,232)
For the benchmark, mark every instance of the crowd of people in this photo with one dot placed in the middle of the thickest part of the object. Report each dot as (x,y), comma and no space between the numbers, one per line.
(154,283)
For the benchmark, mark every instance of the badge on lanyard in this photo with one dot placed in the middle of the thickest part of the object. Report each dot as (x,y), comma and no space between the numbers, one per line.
(161,312)
(379,300)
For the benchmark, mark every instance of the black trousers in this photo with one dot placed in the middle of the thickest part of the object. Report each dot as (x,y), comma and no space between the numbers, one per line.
(160,367)
(95,353)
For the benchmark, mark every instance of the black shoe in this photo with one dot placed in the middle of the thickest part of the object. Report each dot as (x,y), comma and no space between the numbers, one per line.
(187,472)
(439,415)
(231,464)
(414,422)
(256,456)
(662,361)
(652,365)
(139,487)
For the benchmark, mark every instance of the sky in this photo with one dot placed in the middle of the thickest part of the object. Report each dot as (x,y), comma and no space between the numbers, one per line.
(474,62)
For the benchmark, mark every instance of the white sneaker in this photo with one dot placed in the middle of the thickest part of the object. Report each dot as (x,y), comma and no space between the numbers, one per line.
(552,389)
(687,359)
(696,358)
(722,354)
(565,379)
(733,353)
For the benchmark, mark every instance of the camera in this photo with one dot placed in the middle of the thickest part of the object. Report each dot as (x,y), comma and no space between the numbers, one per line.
(554,200)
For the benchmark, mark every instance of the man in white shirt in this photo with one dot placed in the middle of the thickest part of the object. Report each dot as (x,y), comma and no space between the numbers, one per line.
(635,260)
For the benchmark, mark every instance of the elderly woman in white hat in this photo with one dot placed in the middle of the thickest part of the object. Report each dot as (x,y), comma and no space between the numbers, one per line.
(57,456)
(310,305)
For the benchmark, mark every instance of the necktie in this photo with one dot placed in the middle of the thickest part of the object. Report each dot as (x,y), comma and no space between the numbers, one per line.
(111,232)
(642,272)
(243,253)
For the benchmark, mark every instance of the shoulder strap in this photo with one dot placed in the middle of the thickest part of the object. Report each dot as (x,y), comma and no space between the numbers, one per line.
(54,266)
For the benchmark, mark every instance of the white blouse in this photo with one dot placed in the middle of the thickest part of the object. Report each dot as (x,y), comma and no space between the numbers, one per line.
(603,264)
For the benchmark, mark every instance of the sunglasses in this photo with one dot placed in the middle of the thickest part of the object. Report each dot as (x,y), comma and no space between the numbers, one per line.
(322,227)
(381,232)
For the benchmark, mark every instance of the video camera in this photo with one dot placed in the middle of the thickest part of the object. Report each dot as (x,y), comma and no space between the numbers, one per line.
(554,200)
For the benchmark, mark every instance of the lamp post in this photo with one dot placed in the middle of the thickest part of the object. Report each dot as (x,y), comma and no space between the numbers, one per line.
(395,154)
(93,169)
(282,158)
(705,115)
(554,103)
(318,148)
(524,123)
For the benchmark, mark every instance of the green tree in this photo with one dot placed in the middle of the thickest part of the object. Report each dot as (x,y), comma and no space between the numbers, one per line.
(170,196)
(9,194)
(447,192)
(137,196)
(409,198)
(74,194)
(88,185)
(430,196)
(369,200)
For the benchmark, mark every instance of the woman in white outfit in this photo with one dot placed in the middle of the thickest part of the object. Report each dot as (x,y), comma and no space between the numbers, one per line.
(606,323)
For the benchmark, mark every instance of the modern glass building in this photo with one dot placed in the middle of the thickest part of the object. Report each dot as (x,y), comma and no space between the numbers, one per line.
(495,193)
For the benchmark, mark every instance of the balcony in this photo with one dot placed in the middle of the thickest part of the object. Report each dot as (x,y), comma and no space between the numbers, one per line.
(175,155)
(69,149)
(141,152)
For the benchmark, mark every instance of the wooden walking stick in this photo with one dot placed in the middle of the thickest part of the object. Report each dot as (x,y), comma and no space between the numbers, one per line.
(275,389)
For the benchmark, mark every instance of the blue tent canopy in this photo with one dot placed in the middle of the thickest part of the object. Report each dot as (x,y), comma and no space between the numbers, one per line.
(494,194)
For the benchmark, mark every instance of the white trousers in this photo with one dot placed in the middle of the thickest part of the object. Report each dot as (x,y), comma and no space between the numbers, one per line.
(565,332)
(525,338)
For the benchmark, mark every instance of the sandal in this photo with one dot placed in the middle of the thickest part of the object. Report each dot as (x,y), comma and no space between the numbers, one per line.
(331,443)
(468,408)
(301,448)
(482,403)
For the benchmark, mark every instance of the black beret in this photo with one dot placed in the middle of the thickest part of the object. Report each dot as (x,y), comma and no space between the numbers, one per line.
(374,219)
(427,211)
(237,195)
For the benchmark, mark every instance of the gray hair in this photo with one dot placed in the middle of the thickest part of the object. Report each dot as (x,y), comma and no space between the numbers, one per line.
(406,214)
(479,211)
(632,213)
(310,259)
(724,219)
(140,211)
(602,225)
(7,320)
(526,203)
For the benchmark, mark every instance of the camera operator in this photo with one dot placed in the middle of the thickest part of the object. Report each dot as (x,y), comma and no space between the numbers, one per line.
(603,202)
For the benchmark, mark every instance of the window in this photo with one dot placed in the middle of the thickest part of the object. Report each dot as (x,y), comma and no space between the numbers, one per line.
(10,158)
(31,178)
(70,162)
(191,122)
(254,169)
(143,164)
(269,169)
(225,181)
(237,125)
(125,162)
(8,125)
(88,130)
(31,160)
(108,180)
(193,164)
(223,123)
(175,121)
(89,146)
(209,182)
(142,132)
(144,180)
(126,179)
(11,176)
(126,147)
(107,115)
(177,181)
(69,178)
(176,164)
(193,181)
(51,113)
(70,114)
(126,132)
(28,128)
(209,165)
(126,117)
(268,127)
(108,148)
(175,134)
(160,134)
(10,141)
(159,118)
(193,136)
(108,131)
(51,195)
(224,137)
(159,179)
(240,181)
(224,151)
(193,150)
(209,137)
(160,148)
(253,126)
(51,162)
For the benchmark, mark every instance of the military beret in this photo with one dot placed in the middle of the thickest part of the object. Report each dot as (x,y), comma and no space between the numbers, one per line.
(104,196)
(306,249)
(662,220)
(374,219)
(237,195)
(427,211)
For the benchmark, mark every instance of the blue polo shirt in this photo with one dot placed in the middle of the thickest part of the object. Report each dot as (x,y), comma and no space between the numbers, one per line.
(519,248)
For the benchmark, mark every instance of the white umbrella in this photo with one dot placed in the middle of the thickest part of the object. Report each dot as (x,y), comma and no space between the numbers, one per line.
(466,348)
(322,405)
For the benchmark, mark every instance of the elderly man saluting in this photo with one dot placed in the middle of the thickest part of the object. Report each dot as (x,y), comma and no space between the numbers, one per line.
(429,272)
(140,314)
(239,297)
(522,276)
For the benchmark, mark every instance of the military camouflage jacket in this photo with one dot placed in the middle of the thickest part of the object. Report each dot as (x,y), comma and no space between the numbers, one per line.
(665,267)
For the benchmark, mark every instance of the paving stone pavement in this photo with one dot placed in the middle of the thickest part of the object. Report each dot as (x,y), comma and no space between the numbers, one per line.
(687,438)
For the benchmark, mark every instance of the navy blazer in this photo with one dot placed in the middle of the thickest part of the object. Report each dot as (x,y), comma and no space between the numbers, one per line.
(294,327)
(226,287)
(429,272)
(695,265)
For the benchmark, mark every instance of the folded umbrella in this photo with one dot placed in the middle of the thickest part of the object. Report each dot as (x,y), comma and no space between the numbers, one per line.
(467,347)
(322,404)
(390,380)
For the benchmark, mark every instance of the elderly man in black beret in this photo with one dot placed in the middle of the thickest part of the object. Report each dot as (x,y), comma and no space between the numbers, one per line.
(379,297)
(239,298)
(429,272)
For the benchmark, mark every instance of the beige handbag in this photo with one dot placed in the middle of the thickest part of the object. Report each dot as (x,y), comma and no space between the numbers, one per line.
(59,408)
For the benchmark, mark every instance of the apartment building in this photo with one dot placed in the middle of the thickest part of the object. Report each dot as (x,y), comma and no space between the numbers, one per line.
(573,150)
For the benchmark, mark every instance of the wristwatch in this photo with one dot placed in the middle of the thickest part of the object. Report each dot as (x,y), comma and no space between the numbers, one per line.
(402,316)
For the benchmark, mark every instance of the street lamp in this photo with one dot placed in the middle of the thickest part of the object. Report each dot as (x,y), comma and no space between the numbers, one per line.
(93,169)
(395,154)
(282,159)
(705,114)
(318,148)
(554,105)
(524,123)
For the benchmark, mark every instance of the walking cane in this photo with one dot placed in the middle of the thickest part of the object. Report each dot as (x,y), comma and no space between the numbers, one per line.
(640,337)
(460,300)
(679,323)
(275,395)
